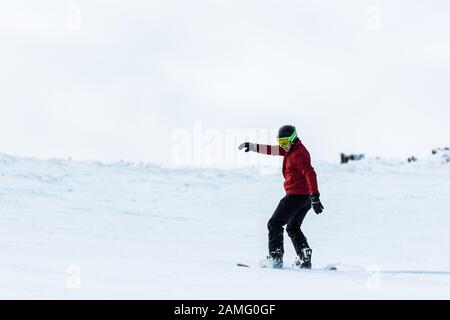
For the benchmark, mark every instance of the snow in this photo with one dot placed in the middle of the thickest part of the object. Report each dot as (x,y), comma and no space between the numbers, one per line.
(88,230)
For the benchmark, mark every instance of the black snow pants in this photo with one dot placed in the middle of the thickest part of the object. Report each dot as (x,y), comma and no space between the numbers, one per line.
(291,210)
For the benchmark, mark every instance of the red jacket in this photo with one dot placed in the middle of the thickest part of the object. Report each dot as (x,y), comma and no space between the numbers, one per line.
(299,175)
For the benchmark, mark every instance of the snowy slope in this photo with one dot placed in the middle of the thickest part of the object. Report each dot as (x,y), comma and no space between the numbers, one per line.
(137,231)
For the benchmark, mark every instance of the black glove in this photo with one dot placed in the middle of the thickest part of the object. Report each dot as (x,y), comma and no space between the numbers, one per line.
(315,202)
(249,146)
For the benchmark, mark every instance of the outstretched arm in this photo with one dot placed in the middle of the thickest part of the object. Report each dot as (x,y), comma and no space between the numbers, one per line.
(262,148)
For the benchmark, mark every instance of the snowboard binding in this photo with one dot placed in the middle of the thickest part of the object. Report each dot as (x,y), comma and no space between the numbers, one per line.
(303,261)
(276,259)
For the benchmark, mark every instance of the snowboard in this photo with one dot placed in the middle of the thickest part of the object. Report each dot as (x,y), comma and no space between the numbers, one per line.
(263,264)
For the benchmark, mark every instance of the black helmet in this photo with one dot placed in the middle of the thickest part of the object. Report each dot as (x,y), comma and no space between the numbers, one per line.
(286,131)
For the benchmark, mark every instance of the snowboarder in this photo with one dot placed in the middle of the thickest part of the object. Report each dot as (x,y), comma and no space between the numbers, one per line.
(301,194)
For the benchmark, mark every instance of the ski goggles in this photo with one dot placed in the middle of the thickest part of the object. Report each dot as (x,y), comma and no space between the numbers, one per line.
(285,141)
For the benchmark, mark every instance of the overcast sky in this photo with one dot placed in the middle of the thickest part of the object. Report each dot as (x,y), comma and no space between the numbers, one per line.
(113,80)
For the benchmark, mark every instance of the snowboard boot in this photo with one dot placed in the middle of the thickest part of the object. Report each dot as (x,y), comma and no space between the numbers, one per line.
(276,258)
(303,261)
